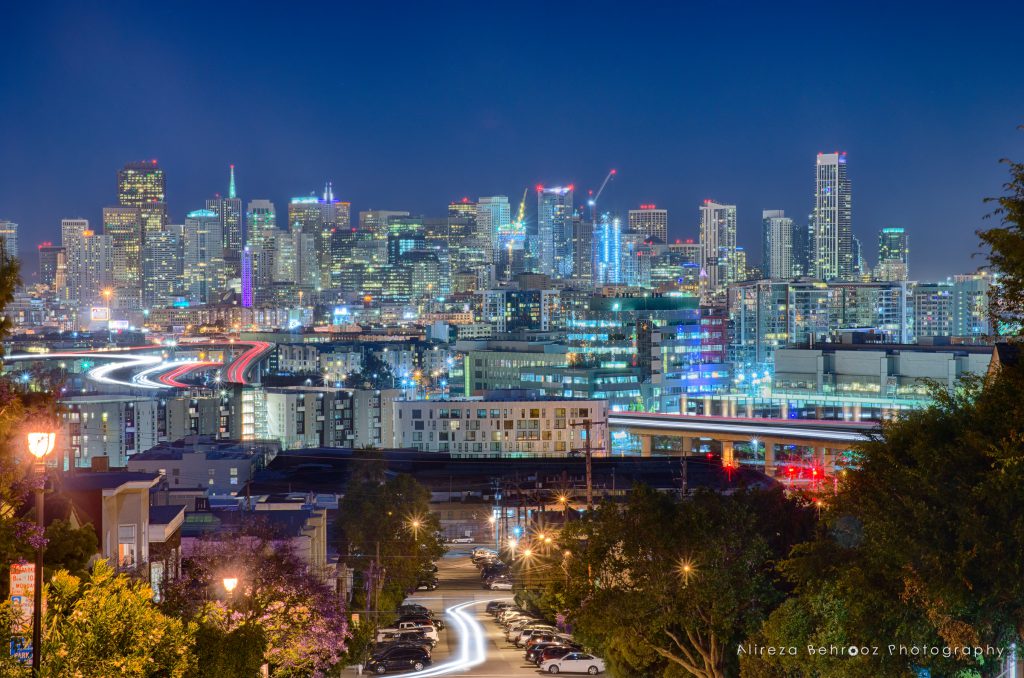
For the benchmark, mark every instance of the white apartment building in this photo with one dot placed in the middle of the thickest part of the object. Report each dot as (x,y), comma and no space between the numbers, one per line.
(496,426)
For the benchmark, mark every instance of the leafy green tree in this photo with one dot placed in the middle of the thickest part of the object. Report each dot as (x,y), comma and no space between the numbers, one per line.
(1006,252)
(923,542)
(664,587)
(107,625)
(389,535)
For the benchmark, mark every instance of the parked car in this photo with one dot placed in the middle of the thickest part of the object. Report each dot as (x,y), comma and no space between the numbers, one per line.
(415,608)
(405,638)
(531,631)
(420,620)
(547,637)
(500,585)
(574,662)
(461,540)
(426,583)
(399,658)
(554,652)
(428,630)
(519,639)
(496,606)
(536,654)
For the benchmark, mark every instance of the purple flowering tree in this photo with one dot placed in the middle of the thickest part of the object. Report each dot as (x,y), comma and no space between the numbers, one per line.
(280,613)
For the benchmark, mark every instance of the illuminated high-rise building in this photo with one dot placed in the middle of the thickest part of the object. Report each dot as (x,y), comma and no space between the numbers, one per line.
(51,260)
(493,215)
(553,245)
(96,261)
(718,249)
(71,234)
(162,261)
(893,254)
(607,240)
(229,210)
(650,221)
(467,246)
(203,270)
(582,250)
(142,185)
(259,214)
(125,227)
(246,262)
(8,239)
(831,246)
(777,245)
(373,227)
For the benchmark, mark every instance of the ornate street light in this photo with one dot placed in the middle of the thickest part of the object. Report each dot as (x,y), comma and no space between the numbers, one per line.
(40,444)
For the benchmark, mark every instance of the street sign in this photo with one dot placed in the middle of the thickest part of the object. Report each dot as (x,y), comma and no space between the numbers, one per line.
(23,581)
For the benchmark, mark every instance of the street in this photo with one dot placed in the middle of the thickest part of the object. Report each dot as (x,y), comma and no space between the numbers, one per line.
(472,645)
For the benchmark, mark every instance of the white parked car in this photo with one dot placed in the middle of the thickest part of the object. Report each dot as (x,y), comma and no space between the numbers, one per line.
(501,585)
(461,540)
(574,662)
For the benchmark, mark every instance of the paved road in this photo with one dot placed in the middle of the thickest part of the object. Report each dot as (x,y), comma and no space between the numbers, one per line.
(472,645)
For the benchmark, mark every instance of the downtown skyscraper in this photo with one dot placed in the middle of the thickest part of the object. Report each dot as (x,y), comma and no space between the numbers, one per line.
(893,254)
(777,245)
(229,210)
(142,185)
(651,222)
(831,234)
(493,217)
(553,245)
(718,249)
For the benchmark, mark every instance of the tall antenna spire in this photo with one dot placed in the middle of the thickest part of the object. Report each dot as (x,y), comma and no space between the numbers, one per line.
(231,186)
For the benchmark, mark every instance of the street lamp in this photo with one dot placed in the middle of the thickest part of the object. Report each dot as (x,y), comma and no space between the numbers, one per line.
(230,583)
(40,444)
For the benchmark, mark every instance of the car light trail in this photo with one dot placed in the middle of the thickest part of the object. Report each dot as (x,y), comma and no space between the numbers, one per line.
(237,369)
(472,642)
(767,427)
(101,373)
(171,377)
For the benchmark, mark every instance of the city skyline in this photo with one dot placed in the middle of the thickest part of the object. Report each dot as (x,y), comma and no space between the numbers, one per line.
(934,128)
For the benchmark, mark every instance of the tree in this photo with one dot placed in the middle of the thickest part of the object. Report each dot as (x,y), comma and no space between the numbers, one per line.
(923,541)
(374,372)
(389,535)
(69,548)
(665,587)
(1006,255)
(106,625)
(280,613)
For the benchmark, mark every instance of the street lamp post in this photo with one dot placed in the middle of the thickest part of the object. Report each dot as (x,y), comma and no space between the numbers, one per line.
(40,444)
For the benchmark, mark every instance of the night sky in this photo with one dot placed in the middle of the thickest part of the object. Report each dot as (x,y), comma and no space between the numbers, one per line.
(410,105)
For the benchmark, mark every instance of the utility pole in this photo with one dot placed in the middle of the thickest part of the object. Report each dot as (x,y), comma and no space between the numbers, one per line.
(585,425)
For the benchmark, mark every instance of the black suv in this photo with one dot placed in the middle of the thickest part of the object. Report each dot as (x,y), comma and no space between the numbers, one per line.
(399,658)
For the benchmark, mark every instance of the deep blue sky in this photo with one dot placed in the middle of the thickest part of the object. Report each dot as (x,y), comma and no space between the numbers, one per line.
(409,105)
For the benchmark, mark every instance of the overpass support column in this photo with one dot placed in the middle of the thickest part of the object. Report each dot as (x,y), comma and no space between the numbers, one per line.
(828,460)
(784,409)
(750,409)
(732,407)
(645,445)
(728,455)
(769,458)
(707,406)
(684,404)
(687,445)
(856,412)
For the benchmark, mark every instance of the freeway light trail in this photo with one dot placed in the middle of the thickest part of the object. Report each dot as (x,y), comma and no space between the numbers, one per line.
(171,377)
(237,369)
(472,642)
(103,372)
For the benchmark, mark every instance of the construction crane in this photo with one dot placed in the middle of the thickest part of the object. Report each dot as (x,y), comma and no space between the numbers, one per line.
(517,229)
(593,200)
